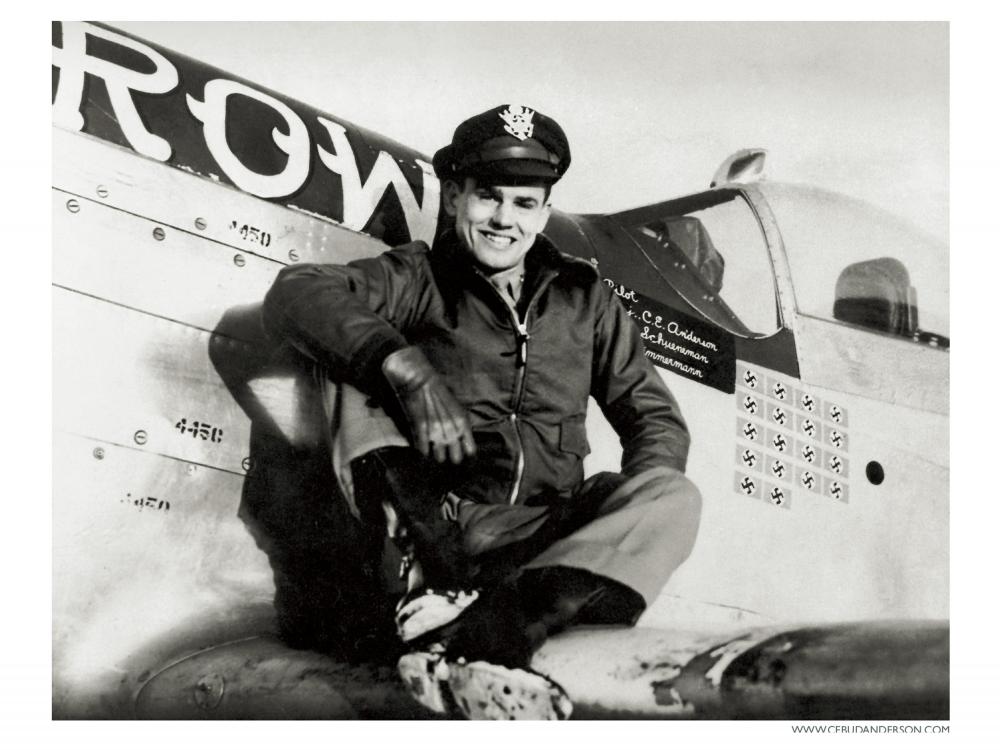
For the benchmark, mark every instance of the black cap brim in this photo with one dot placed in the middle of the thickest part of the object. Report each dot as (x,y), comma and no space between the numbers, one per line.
(511,171)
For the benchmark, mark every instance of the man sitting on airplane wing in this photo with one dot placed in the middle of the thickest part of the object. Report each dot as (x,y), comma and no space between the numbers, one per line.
(485,349)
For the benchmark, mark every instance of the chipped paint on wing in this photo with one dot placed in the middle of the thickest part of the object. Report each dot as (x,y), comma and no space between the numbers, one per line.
(726,654)
(621,669)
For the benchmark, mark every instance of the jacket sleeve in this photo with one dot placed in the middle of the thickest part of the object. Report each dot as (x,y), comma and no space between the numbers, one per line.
(632,395)
(347,317)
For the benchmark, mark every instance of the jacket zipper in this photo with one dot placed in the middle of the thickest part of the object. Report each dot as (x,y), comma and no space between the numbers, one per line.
(519,469)
(521,337)
(521,340)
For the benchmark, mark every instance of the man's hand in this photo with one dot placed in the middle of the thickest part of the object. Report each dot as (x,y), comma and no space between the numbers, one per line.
(438,422)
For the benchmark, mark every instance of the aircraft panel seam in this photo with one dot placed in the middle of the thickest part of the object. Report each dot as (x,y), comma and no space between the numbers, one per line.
(150,314)
(151,453)
(187,232)
(204,180)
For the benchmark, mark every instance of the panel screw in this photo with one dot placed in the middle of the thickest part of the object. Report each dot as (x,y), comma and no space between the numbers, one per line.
(98,453)
(200,224)
(102,192)
(239,260)
(73,205)
(140,437)
(293,254)
(247,464)
(159,234)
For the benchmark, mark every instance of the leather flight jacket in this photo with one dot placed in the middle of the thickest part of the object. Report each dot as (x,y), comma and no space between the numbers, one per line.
(524,375)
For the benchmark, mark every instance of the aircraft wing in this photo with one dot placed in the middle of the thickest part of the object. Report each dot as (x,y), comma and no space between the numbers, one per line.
(873,670)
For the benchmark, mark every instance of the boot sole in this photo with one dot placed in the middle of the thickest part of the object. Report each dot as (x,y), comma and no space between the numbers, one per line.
(482,690)
(425,676)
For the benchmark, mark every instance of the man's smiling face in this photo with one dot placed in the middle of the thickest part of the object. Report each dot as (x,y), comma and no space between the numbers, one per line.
(496,224)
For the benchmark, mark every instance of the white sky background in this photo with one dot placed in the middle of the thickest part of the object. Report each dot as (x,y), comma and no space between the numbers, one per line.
(650,109)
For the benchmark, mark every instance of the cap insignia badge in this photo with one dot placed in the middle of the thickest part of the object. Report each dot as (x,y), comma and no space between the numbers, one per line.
(518,121)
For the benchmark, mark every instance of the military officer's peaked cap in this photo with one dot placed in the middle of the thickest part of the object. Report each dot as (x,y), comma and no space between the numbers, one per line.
(509,143)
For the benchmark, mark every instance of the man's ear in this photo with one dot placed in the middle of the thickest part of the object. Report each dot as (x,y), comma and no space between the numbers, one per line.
(546,213)
(450,190)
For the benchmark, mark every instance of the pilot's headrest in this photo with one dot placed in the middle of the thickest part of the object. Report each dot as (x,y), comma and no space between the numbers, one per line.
(509,144)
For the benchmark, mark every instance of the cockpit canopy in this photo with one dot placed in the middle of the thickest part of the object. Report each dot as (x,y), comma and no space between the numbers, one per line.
(855,263)
(850,262)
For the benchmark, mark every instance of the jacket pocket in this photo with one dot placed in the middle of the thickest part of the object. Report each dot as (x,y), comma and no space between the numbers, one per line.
(573,437)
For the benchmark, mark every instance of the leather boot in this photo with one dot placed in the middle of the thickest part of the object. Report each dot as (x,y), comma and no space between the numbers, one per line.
(493,629)
(557,597)
(414,487)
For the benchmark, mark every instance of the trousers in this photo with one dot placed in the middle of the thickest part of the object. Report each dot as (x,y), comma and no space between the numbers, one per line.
(634,530)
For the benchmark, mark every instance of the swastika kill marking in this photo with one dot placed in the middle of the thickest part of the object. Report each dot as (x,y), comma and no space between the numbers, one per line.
(780,442)
(777,496)
(836,490)
(744,484)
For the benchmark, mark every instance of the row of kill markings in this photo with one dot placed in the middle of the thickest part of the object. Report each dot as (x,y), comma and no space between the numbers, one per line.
(788,439)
